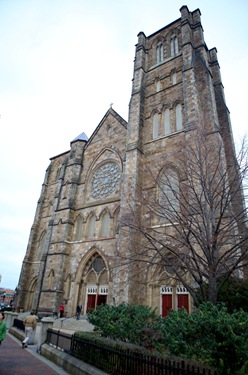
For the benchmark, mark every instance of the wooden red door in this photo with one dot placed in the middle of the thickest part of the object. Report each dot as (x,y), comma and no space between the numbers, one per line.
(183,301)
(166,304)
(101,299)
(91,302)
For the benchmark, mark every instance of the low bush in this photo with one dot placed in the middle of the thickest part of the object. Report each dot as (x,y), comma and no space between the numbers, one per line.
(117,357)
(210,335)
(129,323)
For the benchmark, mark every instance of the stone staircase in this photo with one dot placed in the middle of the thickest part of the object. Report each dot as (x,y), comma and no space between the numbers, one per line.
(71,324)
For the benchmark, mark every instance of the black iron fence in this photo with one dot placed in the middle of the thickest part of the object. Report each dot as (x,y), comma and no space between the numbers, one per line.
(19,324)
(122,361)
(59,340)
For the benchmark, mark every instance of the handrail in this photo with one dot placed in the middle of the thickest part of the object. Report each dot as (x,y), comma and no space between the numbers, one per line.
(122,360)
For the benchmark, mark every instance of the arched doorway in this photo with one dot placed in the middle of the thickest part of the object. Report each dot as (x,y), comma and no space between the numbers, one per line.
(96,283)
(32,289)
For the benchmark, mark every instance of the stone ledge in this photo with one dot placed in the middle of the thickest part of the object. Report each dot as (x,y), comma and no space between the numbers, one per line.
(73,365)
(19,334)
(71,324)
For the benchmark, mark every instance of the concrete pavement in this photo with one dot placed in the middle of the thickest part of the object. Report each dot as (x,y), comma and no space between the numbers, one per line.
(17,361)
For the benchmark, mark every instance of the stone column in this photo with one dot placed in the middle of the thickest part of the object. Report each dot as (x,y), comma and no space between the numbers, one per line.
(45,324)
(13,315)
(7,318)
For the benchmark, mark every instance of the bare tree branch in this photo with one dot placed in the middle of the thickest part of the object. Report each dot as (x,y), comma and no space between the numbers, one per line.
(192,218)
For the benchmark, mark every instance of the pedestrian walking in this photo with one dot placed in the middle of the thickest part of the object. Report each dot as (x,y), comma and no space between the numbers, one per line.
(2,327)
(29,322)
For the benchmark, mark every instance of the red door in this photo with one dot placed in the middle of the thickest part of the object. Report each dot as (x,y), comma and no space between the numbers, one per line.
(91,302)
(183,301)
(166,304)
(101,299)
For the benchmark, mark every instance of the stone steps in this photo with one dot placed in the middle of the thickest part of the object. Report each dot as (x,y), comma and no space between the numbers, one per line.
(72,324)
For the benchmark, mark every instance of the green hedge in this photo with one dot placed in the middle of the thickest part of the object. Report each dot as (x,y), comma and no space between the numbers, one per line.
(211,335)
(117,357)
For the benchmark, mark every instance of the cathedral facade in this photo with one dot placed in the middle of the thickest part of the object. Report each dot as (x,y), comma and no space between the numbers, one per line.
(76,238)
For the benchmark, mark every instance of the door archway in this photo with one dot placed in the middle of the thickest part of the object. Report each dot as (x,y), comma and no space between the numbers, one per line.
(94,287)
(32,289)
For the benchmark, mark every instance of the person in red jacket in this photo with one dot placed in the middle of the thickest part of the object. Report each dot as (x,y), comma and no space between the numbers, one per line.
(61,310)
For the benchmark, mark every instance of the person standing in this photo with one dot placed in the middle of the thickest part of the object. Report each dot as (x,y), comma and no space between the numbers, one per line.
(79,309)
(61,310)
(29,322)
(2,327)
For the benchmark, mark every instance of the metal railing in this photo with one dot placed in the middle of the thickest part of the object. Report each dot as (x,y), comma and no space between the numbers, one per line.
(19,324)
(59,340)
(122,361)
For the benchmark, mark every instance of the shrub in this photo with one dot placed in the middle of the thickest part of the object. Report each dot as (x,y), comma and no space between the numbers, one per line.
(234,293)
(129,323)
(210,335)
(117,357)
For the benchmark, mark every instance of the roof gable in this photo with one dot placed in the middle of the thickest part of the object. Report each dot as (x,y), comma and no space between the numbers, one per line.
(110,113)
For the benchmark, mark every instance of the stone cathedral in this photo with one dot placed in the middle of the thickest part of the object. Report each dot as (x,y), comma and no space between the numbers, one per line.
(72,253)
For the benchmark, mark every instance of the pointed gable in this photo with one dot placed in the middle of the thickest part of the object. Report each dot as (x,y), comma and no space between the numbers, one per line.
(111,119)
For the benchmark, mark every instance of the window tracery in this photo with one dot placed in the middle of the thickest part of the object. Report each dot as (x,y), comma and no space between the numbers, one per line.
(167,121)
(179,120)
(105,225)
(105,180)
(168,194)
(174,46)
(92,227)
(155,125)
(159,53)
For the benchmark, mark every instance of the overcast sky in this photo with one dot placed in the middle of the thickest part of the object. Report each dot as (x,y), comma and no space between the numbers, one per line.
(62,62)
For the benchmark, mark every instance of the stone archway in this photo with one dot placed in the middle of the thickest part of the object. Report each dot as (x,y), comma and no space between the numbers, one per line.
(32,289)
(94,285)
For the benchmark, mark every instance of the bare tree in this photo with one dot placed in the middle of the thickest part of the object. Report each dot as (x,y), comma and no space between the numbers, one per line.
(191,219)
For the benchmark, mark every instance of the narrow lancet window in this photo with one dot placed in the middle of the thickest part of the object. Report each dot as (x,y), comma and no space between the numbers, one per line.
(159,53)
(167,121)
(179,120)
(155,126)
(174,46)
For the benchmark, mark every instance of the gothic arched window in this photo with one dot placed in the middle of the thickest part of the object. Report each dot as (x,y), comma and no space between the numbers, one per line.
(167,121)
(51,280)
(92,227)
(116,216)
(78,229)
(158,85)
(68,286)
(105,225)
(174,45)
(169,194)
(159,52)
(179,120)
(174,78)
(41,248)
(155,126)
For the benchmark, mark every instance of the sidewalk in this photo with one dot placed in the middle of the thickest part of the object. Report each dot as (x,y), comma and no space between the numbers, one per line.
(17,361)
